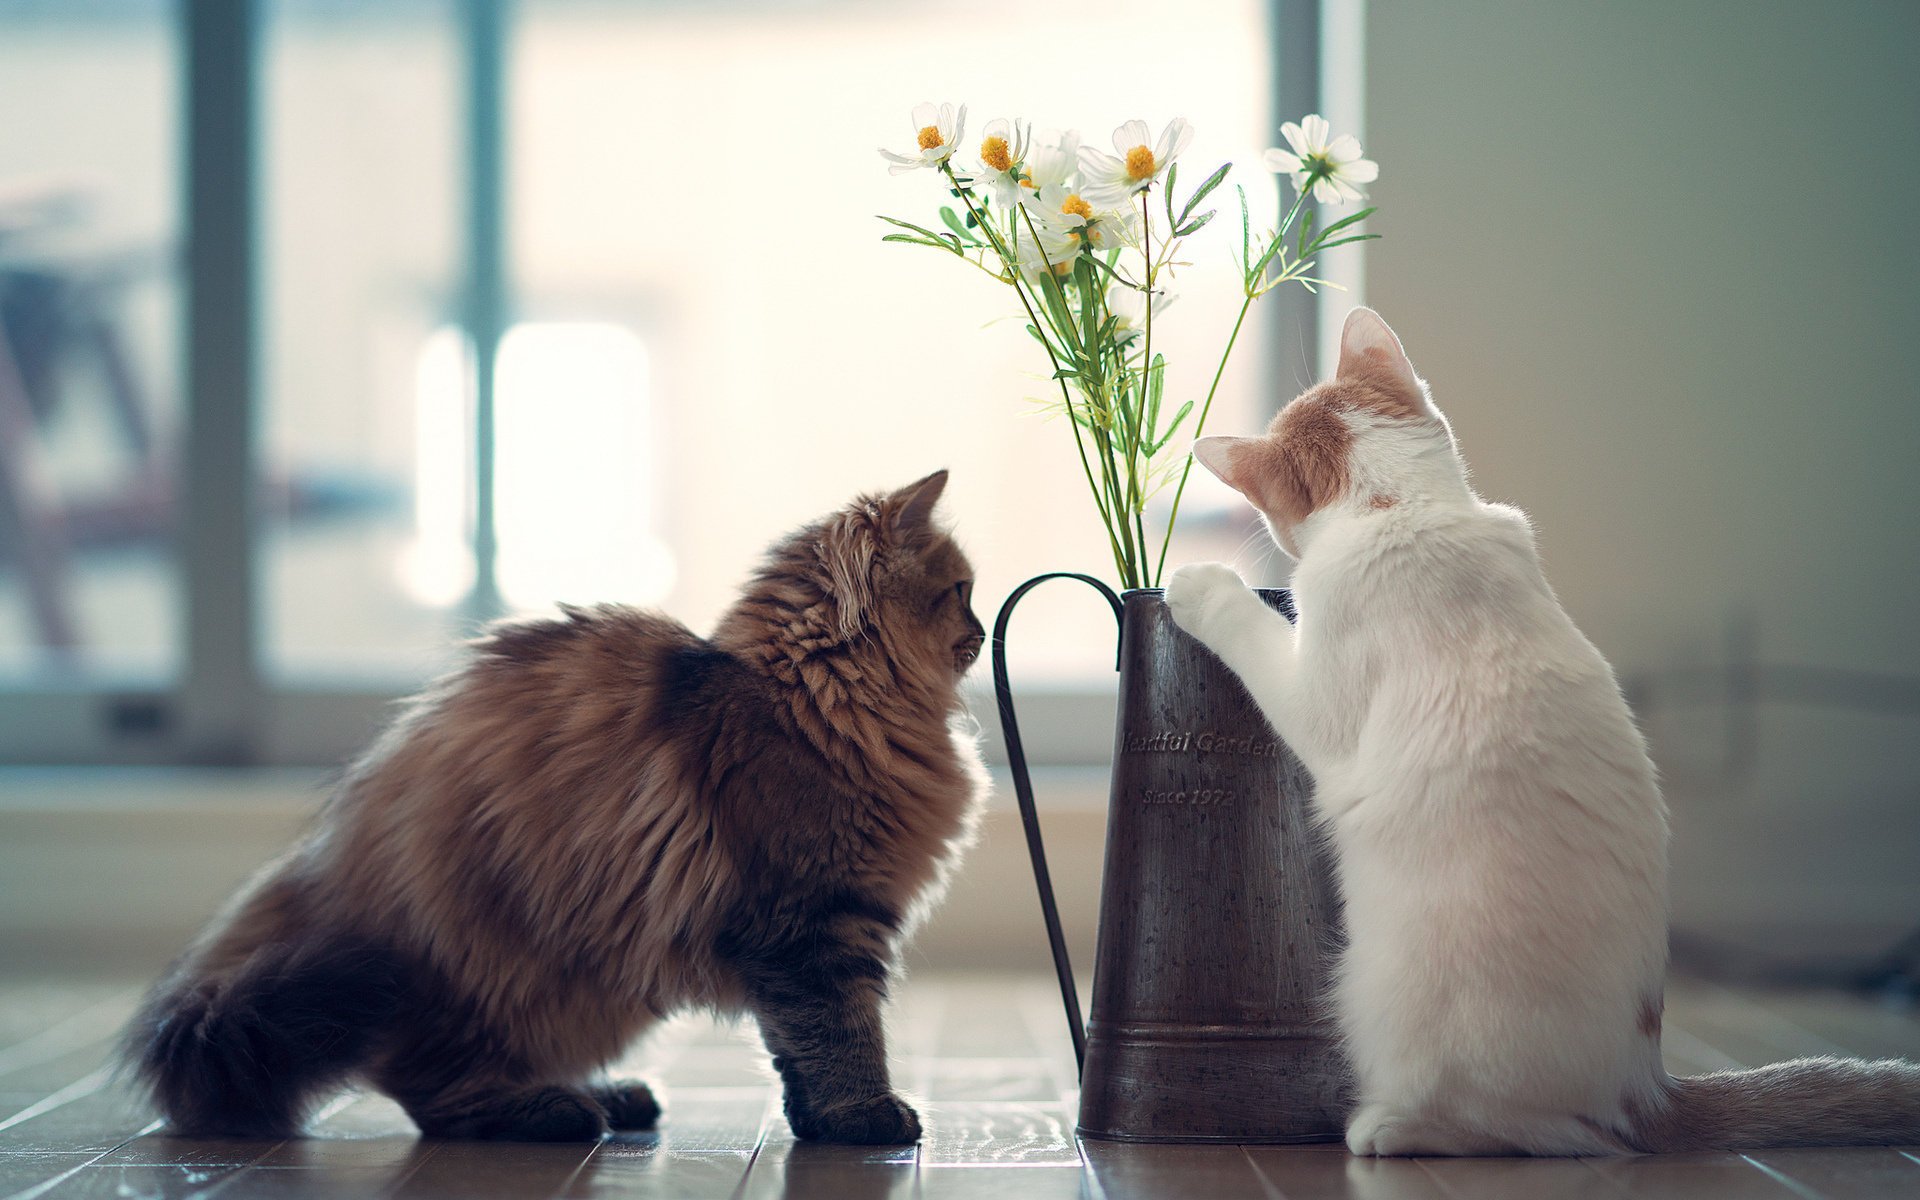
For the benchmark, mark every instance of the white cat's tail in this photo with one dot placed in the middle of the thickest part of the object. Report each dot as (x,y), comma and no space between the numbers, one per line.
(1804,1102)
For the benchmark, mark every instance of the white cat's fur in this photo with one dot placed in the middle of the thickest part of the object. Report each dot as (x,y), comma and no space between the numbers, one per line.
(1499,831)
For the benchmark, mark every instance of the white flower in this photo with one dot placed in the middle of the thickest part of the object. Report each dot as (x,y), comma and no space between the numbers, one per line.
(1113,181)
(1003,159)
(938,132)
(1128,308)
(1053,252)
(1332,170)
(1053,160)
(1071,214)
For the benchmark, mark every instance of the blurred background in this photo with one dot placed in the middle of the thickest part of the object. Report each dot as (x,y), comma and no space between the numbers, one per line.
(330,329)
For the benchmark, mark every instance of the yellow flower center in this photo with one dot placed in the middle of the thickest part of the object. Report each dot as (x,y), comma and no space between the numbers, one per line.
(1028,183)
(930,138)
(994,153)
(1078,207)
(1140,163)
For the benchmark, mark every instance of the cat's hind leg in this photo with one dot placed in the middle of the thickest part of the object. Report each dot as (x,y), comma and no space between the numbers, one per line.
(457,1078)
(629,1104)
(530,1114)
(246,1053)
(1380,1130)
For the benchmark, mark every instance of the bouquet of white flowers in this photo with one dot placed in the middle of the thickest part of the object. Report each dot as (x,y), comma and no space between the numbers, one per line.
(1077,235)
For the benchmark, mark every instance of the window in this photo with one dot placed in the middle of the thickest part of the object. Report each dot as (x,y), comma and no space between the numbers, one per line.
(654,226)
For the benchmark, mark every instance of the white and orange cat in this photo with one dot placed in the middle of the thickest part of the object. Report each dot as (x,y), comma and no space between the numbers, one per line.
(1500,835)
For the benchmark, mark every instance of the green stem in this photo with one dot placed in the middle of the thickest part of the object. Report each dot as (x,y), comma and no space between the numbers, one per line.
(1126,556)
(1174,516)
(1012,264)
(1134,465)
(1253,292)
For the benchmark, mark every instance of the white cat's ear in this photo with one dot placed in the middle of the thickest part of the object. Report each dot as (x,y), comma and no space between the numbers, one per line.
(1368,346)
(1226,458)
(913,504)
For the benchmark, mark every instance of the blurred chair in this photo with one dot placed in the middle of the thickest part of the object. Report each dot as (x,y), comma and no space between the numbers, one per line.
(57,313)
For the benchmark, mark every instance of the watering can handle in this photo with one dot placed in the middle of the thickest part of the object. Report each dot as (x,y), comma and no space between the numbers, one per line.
(1023,790)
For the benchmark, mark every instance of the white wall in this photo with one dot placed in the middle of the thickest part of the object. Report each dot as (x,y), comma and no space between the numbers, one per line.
(1657,261)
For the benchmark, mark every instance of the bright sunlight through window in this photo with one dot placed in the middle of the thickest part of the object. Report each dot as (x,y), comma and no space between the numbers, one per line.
(573,462)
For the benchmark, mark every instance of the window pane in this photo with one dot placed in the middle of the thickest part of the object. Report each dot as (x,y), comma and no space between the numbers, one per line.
(89,340)
(705,177)
(361,132)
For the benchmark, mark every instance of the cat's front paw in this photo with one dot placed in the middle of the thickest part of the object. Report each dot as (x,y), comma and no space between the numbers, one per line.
(883,1120)
(1203,596)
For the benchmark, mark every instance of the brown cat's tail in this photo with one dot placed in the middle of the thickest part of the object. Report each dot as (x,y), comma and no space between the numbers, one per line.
(243,1053)
(1805,1102)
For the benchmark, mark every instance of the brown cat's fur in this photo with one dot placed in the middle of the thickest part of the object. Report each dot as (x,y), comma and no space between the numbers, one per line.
(602,819)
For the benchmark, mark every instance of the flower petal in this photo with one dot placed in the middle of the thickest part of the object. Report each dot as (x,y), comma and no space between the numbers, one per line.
(1316,129)
(924,114)
(1096,165)
(1360,170)
(1173,139)
(1131,134)
(1277,159)
(1297,138)
(1344,148)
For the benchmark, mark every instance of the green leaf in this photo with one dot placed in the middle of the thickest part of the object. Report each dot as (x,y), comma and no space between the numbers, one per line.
(1358,237)
(1112,272)
(1260,268)
(910,240)
(1200,193)
(1156,386)
(954,223)
(1196,223)
(1089,307)
(1343,222)
(1056,304)
(1066,373)
(1174,428)
(1173,173)
(919,229)
(1246,229)
(1306,228)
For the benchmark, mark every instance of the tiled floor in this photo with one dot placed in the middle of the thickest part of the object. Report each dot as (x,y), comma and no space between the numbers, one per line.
(987,1056)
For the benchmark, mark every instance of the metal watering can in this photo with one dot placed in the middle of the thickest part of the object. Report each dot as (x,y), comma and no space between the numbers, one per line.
(1218,912)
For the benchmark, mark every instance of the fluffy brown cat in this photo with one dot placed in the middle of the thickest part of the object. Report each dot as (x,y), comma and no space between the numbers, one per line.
(600,820)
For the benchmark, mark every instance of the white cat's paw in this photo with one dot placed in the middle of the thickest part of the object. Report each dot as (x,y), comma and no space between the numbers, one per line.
(1203,596)
(1377,1131)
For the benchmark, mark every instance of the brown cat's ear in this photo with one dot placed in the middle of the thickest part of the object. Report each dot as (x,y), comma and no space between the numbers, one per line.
(912,506)
(846,551)
(1368,347)
(1227,457)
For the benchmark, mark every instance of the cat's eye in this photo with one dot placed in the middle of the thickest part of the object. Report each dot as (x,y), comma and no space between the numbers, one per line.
(964,590)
